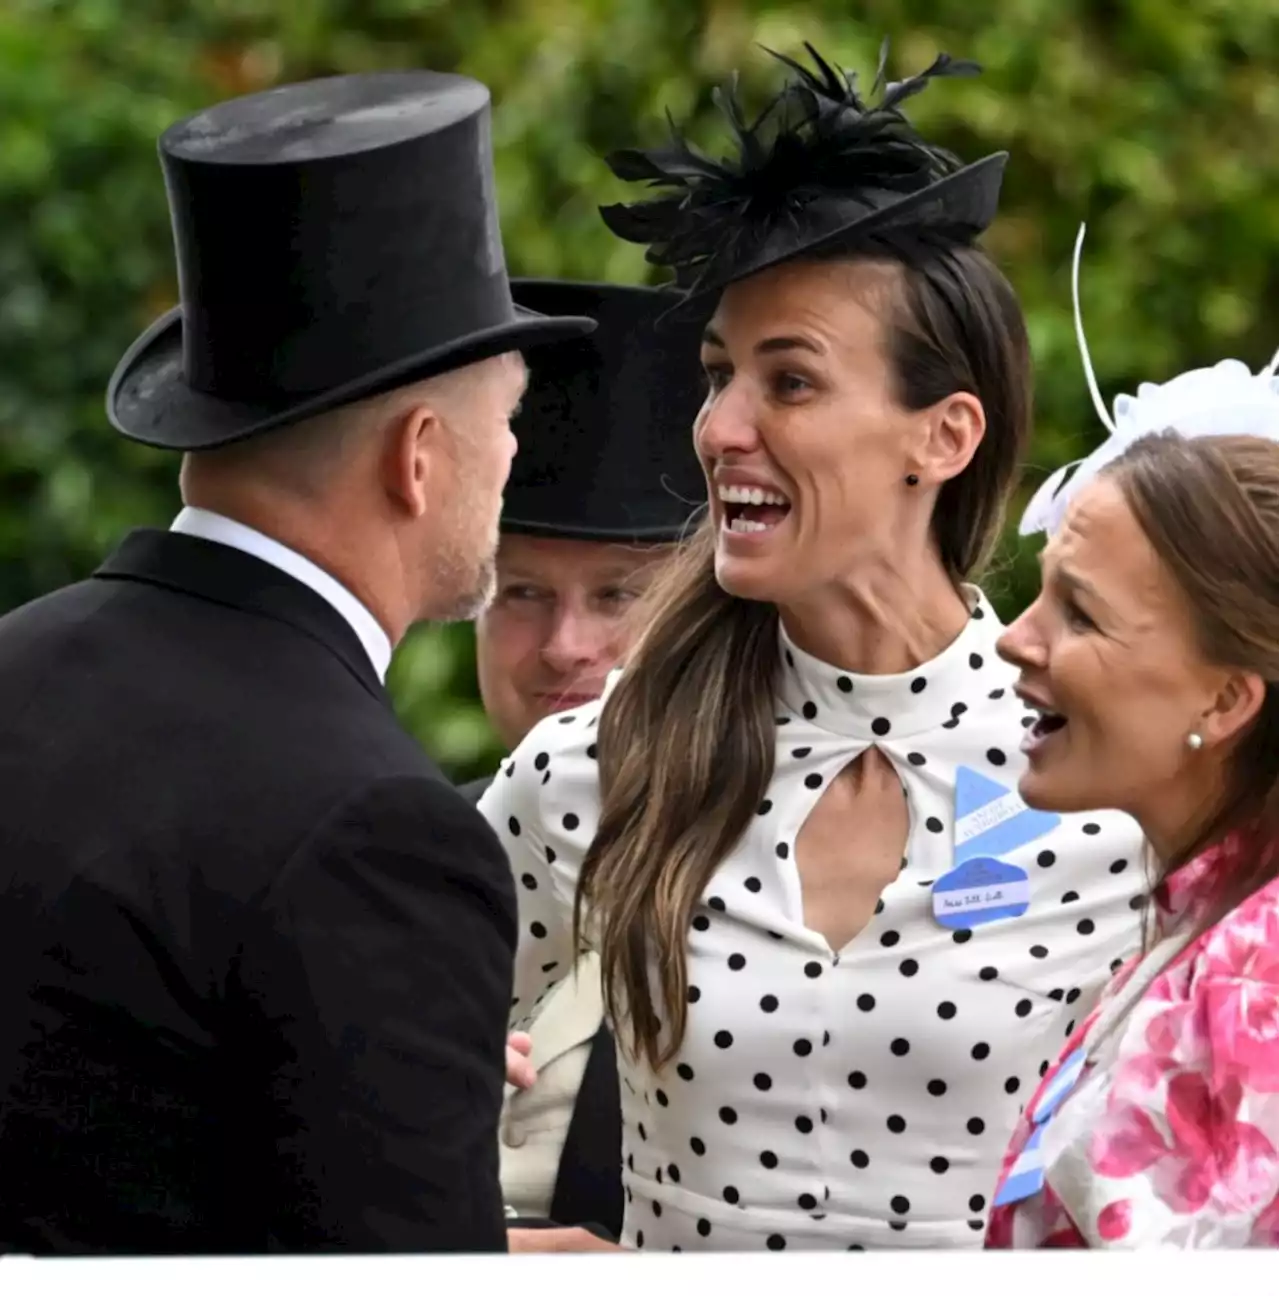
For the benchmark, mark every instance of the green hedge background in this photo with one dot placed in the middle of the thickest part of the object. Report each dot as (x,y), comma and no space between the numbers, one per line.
(1155,121)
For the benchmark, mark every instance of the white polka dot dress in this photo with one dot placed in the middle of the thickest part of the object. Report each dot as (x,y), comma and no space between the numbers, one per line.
(843,1099)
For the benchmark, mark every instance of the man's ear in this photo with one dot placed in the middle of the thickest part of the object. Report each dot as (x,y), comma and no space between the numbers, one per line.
(412,445)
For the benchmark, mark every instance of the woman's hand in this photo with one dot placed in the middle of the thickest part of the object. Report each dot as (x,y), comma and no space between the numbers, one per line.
(526,1241)
(520,1071)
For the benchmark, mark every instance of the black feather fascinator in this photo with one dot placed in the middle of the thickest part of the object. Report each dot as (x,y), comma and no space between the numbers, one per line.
(820,166)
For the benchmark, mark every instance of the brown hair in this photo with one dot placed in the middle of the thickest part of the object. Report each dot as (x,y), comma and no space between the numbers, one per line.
(1209,508)
(687,736)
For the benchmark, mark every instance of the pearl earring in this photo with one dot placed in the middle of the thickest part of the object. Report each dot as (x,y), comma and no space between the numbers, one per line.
(913,480)
(1195,741)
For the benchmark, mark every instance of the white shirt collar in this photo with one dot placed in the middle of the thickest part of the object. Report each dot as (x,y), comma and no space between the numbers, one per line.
(224,530)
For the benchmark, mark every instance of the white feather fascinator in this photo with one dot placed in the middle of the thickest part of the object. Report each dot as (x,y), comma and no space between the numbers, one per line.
(1225,400)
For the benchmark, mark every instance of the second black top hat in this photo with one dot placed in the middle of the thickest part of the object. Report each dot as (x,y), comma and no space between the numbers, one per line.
(606,425)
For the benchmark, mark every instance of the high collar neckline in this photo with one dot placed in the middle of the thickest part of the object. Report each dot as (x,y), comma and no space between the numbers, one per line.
(871,707)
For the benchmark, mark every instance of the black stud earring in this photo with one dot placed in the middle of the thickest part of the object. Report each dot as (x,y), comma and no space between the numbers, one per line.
(913,480)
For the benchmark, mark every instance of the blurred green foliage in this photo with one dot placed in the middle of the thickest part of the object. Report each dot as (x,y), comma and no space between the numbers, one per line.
(1155,122)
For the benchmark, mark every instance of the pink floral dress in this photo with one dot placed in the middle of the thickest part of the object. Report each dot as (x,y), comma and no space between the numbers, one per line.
(1169,1135)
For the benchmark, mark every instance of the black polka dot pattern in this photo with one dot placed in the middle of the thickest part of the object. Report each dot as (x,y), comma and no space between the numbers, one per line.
(869,1077)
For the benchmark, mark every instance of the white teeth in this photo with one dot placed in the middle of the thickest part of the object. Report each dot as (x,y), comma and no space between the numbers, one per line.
(749,495)
(745,524)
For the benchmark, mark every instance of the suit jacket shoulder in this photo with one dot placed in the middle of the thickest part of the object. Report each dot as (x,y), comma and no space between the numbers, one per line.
(215,830)
(474,790)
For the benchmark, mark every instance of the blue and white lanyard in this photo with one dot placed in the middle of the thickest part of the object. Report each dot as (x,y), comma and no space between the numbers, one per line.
(1026,1175)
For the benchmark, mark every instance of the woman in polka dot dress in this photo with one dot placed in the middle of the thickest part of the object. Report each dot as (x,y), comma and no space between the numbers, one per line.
(1152,650)
(838,949)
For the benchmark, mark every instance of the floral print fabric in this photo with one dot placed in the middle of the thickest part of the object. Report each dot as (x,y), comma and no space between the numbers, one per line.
(1170,1137)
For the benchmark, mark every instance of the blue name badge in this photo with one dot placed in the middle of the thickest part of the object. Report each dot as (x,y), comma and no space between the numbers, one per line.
(991,819)
(981,891)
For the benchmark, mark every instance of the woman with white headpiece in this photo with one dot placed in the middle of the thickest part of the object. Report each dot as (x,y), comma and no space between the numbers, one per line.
(1151,654)
(1226,400)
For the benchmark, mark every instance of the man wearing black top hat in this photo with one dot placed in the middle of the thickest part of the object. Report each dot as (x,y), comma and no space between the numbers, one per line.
(257,949)
(605,480)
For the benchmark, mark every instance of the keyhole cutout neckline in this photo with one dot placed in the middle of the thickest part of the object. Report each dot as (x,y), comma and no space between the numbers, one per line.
(878,712)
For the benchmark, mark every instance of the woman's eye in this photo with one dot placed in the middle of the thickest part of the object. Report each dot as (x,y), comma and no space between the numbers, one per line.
(789,385)
(1077,619)
(717,377)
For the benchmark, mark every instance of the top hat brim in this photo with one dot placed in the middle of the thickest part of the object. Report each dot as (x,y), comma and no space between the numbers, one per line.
(148,399)
(617,531)
(965,201)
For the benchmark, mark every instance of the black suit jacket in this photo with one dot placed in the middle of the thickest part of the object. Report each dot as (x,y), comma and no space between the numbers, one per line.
(257,952)
(588,1187)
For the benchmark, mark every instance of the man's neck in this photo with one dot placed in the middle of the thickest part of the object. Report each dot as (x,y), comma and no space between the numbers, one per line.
(345,559)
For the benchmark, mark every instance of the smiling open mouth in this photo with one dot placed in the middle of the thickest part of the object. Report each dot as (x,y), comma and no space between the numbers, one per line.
(752,509)
(1047,723)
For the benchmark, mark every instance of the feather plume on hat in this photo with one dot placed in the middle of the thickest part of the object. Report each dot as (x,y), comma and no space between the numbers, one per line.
(817,165)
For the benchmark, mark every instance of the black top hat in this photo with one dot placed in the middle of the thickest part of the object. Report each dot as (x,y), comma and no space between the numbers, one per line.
(335,239)
(606,425)
(818,170)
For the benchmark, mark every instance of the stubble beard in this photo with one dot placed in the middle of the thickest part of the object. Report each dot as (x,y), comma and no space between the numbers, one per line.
(484,586)
(468,582)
